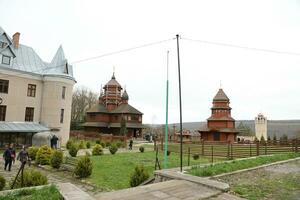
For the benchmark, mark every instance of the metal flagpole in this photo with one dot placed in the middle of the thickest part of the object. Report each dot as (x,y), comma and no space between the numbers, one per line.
(180,107)
(167,111)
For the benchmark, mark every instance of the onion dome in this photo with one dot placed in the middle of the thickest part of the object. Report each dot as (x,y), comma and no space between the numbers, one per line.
(125,96)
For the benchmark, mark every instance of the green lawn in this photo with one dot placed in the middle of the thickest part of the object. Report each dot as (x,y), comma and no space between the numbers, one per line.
(46,193)
(112,172)
(235,165)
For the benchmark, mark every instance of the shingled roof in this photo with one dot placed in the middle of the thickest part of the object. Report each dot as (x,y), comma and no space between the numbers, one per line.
(112,82)
(221,96)
(126,108)
(98,108)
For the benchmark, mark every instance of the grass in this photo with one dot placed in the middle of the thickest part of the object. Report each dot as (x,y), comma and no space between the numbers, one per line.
(45,193)
(112,172)
(235,165)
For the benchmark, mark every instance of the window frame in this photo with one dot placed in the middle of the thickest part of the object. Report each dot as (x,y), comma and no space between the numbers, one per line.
(31,90)
(29,114)
(4,86)
(4,56)
(62,113)
(3,109)
(63,92)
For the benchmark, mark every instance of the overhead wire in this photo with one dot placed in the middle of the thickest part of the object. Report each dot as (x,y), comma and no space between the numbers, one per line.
(242,47)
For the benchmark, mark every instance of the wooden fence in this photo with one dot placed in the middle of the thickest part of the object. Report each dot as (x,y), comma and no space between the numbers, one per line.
(235,150)
(83,135)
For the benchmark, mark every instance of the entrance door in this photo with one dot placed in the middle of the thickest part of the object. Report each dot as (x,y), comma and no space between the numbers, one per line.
(216,136)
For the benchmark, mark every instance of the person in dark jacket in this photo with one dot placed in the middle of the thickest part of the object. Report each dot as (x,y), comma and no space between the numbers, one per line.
(13,153)
(7,156)
(130,144)
(23,156)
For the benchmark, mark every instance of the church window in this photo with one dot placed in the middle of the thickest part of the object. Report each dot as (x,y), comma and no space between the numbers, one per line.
(6,60)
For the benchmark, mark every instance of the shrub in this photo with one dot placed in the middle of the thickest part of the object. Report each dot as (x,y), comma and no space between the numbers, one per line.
(56,159)
(119,144)
(88,145)
(2,183)
(73,150)
(142,149)
(69,144)
(32,152)
(97,150)
(139,176)
(103,144)
(81,145)
(84,167)
(113,149)
(196,156)
(31,178)
(168,153)
(107,143)
(43,155)
(98,142)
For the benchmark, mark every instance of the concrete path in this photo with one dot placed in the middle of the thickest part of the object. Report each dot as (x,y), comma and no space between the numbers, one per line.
(168,190)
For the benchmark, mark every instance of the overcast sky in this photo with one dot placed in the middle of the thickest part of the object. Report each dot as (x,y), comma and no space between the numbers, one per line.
(254,81)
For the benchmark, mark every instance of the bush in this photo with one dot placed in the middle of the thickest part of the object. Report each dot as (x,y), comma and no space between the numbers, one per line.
(43,155)
(69,144)
(139,176)
(88,145)
(84,167)
(31,178)
(32,152)
(142,149)
(56,159)
(113,149)
(98,142)
(168,153)
(97,150)
(119,144)
(196,156)
(81,145)
(103,144)
(73,150)
(107,143)
(2,183)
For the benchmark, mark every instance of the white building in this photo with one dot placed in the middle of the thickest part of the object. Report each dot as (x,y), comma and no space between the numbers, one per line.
(261,126)
(35,95)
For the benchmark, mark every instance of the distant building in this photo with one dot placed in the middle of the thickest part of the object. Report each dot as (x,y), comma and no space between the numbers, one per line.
(220,126)
(112,110)
(261,126)
(35,96)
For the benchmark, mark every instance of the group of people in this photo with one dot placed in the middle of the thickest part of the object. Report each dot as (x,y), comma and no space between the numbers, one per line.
(9,156)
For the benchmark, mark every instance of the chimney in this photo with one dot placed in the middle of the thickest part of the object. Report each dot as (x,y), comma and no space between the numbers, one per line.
(16,39)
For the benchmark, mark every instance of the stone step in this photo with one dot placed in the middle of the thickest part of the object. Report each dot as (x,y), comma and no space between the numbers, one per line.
(173,189)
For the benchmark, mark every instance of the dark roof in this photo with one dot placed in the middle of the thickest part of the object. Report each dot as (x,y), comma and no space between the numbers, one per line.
(98,108)
(223,130)
(125,95)
(221,96)
(112,82)
(221,119)
(126,108)
(112,125)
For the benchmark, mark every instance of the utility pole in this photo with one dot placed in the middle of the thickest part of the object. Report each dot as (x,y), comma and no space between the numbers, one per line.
(167,111)
(180,107)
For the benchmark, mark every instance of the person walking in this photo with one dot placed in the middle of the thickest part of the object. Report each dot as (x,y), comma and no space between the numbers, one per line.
(13,153)
(130,144)
(7,156)
(23,156)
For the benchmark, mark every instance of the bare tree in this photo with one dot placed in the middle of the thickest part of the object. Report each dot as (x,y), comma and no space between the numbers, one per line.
(82,100)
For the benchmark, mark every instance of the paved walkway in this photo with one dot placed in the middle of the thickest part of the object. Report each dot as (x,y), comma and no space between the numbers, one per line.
(168,190)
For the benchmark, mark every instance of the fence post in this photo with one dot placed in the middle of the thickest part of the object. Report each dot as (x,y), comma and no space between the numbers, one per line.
(212,153)
(250,150)
(202,148)
(257,148)
(228,150)
(189,154)
(231,151)
(265,148)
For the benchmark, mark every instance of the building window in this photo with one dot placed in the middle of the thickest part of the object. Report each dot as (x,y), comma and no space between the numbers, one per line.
(4,86)
(2,113)
(2,44)
(129,118)
(63,94)
(29,113)
(66,71)
(216,136)
(6,60)
(62,116)
(31,90)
